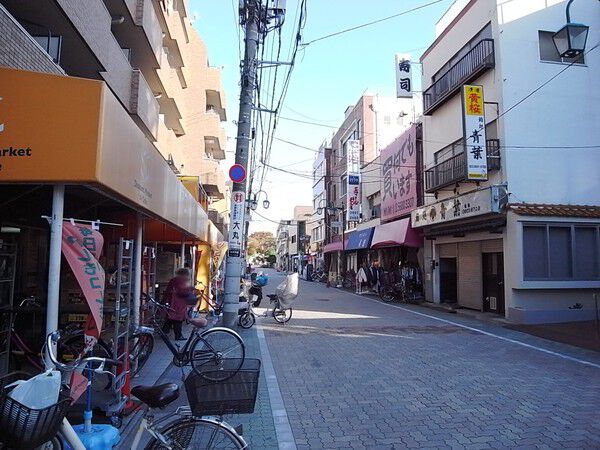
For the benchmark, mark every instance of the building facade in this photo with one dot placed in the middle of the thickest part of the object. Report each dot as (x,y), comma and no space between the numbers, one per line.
(318,220)
(121,115)
(521,240)
(374,121)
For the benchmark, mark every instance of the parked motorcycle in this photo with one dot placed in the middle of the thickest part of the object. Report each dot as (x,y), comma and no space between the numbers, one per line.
(319,275)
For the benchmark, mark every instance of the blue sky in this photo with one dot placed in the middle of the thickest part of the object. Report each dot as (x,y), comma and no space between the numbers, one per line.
(329,76)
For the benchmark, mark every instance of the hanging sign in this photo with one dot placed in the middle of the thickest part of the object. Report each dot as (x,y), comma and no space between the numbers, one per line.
(399,175)
(82,246)
(474,132)
(236,231)
(353,194)
(403,76)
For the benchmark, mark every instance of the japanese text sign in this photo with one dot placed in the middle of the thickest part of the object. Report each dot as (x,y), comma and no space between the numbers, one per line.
(403,76)
(474,132)
(398,174)
(82,246)
(237,220)
(353,181)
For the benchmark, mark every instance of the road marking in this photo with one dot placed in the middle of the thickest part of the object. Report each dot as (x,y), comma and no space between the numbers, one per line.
(486,333)
(283,429)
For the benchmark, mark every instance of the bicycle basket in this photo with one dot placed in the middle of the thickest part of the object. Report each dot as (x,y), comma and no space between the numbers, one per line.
(27,428)
(236,395)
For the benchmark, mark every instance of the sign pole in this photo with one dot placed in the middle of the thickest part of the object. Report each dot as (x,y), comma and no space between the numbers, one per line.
(235,259)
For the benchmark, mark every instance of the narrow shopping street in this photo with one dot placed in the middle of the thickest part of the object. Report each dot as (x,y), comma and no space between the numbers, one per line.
(357,373)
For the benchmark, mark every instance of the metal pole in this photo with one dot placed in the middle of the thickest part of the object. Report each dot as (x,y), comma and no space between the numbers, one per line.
(344,268)
(137,271)
(182,254)
(56,228)
(235,260)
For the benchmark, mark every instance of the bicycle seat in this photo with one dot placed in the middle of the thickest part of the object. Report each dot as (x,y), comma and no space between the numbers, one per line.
(157,396)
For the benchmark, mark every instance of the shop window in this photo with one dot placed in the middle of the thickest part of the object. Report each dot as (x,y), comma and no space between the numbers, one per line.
(344,185)
(561,252)
(548,50)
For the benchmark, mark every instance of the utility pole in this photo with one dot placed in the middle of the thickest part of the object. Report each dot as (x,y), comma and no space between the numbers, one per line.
(250,18)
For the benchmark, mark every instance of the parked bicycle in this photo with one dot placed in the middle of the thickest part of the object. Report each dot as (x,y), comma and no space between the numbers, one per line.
(194,427)
(319,275)
(205,351)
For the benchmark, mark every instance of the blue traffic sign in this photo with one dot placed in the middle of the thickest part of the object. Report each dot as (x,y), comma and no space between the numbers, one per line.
(237,173)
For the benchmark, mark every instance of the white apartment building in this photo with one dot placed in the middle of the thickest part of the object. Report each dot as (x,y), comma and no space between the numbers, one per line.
(317,221)
(526,242)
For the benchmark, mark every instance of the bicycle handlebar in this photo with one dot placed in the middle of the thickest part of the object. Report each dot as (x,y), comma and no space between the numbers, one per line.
(51,343)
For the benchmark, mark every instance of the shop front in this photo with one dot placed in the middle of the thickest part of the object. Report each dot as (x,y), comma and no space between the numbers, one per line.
(73,161)
(464,256)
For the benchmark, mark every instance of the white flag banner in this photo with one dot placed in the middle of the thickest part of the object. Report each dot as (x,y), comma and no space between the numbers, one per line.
(403,76)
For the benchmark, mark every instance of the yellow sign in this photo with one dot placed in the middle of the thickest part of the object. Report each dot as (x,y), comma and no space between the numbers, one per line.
(473,99)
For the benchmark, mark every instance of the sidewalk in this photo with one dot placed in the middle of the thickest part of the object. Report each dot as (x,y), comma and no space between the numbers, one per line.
(259,428)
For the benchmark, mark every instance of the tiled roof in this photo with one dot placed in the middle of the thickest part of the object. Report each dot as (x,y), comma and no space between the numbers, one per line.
(540,209)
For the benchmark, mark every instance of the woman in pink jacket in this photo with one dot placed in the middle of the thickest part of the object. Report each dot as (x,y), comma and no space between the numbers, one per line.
(179,295)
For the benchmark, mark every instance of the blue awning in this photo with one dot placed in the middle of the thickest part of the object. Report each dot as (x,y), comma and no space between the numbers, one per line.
(360,239)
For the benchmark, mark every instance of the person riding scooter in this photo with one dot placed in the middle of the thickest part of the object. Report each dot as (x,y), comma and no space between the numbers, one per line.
(256,288)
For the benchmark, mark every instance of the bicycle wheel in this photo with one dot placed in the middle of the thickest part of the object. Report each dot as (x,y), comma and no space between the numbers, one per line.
(386,294)
(217,354)
(195,433)
(141,345)
(73,345)
(246,320)
(282,315)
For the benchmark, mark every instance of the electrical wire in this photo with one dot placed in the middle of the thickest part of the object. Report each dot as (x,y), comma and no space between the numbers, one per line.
(383,19)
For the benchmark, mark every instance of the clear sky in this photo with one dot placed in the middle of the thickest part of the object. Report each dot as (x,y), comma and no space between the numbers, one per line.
(329,76)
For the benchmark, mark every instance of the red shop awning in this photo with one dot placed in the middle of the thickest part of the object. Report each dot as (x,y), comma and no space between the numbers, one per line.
(396,233)
(334,247)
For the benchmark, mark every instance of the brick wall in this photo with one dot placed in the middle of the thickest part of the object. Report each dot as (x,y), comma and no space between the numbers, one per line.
(19,50)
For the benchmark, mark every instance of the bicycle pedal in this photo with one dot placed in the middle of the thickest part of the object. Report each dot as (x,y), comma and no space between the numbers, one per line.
(239,429)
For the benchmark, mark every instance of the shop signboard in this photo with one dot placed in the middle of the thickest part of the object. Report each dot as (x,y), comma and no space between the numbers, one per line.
(477,203)
(398,172)
(237,223)
(403,76)
(353,195)
(474,132)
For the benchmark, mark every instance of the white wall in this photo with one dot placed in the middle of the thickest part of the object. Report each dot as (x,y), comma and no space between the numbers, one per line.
(566,112)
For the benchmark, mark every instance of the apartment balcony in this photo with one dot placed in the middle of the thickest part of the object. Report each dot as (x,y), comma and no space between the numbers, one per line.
(454,169)
(215,96)
(215,140)
(212,179)
(139,31)
(479,59)
(143,105)
(172,93)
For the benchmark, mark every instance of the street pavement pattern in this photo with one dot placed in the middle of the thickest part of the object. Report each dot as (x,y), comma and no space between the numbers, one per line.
(356,373)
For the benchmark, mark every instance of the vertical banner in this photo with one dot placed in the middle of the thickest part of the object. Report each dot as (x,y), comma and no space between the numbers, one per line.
(353,194)
(399,175)
(474,132)
(82,246)
(403,76)
(237,224)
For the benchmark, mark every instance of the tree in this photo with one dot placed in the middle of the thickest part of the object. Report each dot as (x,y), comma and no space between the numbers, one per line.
(261,244)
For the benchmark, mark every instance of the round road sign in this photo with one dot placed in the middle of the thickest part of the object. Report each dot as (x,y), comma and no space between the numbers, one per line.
(237,173)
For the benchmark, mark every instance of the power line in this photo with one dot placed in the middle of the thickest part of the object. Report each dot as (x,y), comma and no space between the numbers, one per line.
(383,19)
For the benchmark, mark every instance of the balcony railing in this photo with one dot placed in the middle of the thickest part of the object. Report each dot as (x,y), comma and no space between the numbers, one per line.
(477,60)
(454,169)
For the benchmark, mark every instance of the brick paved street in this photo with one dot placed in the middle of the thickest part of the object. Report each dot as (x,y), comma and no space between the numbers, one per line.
(356,373)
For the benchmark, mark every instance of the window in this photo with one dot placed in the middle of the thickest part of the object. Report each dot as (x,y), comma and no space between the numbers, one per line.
(548,50)
(294,239)
(561,252)
(344,185)
(387,120)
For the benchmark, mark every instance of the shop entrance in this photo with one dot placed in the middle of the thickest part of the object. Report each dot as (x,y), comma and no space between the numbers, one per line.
(448,287)
(493,282)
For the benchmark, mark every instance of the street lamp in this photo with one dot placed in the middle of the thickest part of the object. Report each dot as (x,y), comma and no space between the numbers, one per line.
(254,202)
(570,39)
